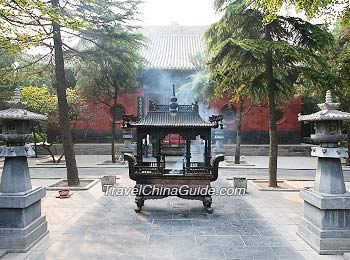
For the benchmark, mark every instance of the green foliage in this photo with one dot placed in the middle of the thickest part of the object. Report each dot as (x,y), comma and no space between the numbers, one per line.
(201,85)
(110,31)
(35,17)
(7,61)
(78,106)
(330,9)
(237,50)
(345,18)
(339,59)
(103,27)
(29,72)
(17,72)
(339,76)
(40,137)
(41,100)
(111,60)
(104,77)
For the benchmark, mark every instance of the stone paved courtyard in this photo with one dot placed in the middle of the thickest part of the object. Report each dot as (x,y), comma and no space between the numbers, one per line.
(89,225)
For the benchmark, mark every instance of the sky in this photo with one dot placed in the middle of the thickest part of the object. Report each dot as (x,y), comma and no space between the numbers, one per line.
(183,12)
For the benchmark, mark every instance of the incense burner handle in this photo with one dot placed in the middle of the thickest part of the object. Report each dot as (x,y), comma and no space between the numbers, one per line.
(131,162)
(215,166)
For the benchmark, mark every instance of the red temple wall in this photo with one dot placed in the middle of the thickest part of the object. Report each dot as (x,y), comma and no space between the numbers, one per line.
(257,117)
(254,123)
(102,120)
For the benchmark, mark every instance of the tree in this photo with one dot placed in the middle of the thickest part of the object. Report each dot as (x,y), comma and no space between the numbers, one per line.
(105,76)
(61,86)
(329,9)
(44,21)
(111,63)
(338,80)
(210,86)
(16,70)
(339,59)
(40,100)
(229,77)
(16,15)
(268,60)
(7,77)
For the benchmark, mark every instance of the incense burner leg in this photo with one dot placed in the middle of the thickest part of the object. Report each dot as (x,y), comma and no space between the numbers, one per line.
(207,203)
(140,201)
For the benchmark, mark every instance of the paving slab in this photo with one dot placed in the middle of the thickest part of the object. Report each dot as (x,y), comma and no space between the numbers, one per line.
(291,173)
(90,225)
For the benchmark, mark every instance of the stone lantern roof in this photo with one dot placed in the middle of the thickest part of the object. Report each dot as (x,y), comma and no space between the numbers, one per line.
(328,112)
(17,111)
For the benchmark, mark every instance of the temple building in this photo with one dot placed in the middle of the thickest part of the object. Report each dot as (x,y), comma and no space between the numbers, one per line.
(172,55)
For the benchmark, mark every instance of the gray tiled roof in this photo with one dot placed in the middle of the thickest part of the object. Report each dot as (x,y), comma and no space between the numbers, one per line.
(172,47)
(20,114)
(178,119)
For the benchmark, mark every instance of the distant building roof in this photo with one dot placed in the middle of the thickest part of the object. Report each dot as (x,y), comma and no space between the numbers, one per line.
(172,47)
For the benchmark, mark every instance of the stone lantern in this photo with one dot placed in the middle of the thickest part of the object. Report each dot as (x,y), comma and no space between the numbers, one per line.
(219,138)
(127,136)
(326,223)
(127,133)
(21,223)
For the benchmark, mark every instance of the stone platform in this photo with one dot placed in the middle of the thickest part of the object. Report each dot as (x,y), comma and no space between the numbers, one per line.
(326,222)
(90,225)
(21,212)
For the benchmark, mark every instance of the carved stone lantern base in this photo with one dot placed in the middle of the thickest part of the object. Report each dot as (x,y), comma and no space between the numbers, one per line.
(21,222)
(326,222)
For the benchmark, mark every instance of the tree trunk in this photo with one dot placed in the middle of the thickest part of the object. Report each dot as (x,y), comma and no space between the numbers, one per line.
(348,143)
(239,126)
(61,85)
(271,88)
(113,125)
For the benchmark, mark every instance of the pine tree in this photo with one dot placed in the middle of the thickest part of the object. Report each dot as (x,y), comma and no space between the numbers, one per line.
(110,54)
(266,60)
